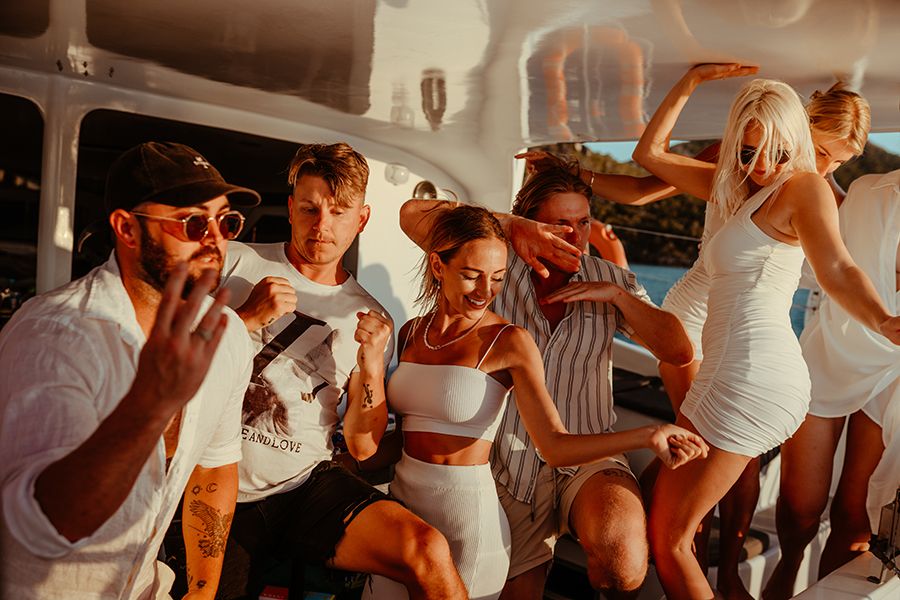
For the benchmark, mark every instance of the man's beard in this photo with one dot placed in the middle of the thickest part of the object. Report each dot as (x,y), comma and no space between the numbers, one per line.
(156,265)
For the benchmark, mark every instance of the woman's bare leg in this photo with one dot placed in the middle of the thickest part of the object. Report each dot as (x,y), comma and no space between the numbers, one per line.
(680,500)
(806,465)
(850,529)
(736,512)
(677,380)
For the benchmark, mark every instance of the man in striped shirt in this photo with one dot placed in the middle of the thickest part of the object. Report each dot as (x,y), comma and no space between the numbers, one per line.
(599,504)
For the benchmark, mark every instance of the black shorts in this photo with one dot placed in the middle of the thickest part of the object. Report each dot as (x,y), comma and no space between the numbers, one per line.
(307,522)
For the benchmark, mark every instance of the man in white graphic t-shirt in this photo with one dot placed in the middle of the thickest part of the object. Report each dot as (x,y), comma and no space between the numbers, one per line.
(319,334)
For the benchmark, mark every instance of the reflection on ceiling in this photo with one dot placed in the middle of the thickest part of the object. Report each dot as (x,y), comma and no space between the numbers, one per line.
(461,84)
(319,51)
(587,82)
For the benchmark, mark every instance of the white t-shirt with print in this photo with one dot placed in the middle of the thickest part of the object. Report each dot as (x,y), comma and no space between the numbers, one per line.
(301,369)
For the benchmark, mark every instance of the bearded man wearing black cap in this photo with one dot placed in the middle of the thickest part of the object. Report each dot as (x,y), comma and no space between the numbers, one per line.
(122,390)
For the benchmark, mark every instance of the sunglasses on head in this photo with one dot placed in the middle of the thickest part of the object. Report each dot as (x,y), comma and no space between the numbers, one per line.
(196,226)
(748,152)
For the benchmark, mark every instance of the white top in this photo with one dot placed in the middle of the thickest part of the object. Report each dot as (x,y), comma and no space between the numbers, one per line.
(67,358)
(850,365)
(448,399)
(576,360)
(752,390)
(302,368)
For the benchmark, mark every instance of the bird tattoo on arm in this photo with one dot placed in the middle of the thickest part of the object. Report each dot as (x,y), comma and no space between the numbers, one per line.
(215,528)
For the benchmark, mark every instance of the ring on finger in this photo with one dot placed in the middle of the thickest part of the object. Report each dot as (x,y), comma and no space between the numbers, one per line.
(205,334)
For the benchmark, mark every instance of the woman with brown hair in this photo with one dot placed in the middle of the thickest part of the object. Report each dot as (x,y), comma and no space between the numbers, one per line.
(457,365)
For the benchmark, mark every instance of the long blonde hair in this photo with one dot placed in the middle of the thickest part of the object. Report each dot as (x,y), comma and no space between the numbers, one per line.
(776,109)
(841,113)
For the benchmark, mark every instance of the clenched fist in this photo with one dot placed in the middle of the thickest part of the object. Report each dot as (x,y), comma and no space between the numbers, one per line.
(270,299)
(372,332)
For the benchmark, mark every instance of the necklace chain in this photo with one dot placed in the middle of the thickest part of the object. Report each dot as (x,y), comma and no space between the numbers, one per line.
(454,340)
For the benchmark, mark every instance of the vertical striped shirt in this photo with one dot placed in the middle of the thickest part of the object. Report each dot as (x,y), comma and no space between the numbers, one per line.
(576,362)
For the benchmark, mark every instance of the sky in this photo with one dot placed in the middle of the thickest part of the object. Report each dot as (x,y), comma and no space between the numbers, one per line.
(621,151)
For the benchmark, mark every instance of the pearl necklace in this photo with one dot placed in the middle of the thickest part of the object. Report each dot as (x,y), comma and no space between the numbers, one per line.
(454,340)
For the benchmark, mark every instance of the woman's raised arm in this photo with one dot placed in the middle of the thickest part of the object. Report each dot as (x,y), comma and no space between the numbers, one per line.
(652,152)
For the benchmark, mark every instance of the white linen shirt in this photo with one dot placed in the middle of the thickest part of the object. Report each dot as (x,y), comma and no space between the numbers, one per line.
(852,367)
(577,365)
(66,360)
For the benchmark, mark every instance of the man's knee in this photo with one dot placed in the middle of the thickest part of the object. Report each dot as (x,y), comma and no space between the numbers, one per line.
(620,566)
(617,561)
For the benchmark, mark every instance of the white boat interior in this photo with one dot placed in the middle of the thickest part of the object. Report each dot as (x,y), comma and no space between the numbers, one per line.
(437,90)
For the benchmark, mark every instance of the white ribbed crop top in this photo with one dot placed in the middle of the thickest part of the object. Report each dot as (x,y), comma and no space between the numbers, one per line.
(448,399)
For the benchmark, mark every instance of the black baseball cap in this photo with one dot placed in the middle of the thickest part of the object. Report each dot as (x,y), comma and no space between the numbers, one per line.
(171,174)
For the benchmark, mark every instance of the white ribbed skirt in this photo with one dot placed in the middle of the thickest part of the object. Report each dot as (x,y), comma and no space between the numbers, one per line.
(460,502)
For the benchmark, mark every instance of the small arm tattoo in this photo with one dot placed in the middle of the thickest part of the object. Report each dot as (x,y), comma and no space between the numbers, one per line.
(616,473)
(212,487)
(369,402)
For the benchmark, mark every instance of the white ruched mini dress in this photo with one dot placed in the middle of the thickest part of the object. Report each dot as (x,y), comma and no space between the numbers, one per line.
(687,299)
(752,390)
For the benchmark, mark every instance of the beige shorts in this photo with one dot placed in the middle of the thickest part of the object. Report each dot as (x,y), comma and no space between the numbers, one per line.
(534,531)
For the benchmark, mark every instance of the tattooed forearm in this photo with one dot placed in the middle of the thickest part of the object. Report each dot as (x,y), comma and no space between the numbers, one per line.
(214,534)
(368,402)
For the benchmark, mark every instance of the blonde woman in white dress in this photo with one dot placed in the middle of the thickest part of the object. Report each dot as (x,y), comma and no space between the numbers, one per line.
(752,390)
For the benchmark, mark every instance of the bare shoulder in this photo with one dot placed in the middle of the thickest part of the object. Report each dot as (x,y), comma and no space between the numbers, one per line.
(516,344)
(409,325)
(805,182)
(405,333)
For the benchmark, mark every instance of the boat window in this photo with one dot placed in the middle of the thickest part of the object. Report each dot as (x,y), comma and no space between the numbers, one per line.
(253,161)
(20,184)
(24,18)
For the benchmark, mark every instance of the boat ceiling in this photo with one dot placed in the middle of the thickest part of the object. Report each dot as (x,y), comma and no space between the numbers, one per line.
(460,83)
